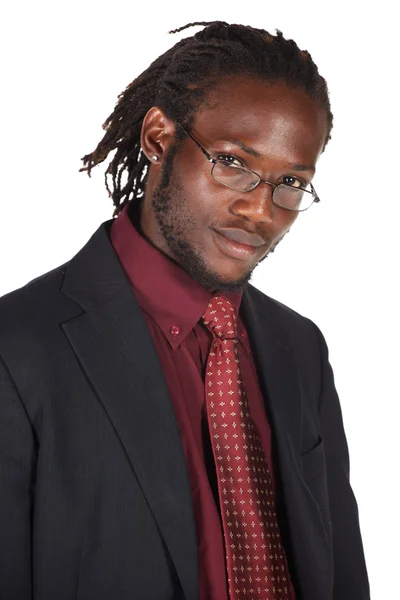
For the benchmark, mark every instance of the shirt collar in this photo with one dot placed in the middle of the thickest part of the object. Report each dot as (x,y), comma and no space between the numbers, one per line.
(162,287)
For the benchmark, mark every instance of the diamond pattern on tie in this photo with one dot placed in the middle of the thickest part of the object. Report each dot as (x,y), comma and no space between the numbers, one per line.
(255,560)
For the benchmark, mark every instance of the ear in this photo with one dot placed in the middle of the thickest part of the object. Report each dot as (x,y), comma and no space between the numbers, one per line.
(157,134)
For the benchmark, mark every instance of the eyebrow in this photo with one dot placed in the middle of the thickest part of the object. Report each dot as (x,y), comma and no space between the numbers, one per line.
(253,152)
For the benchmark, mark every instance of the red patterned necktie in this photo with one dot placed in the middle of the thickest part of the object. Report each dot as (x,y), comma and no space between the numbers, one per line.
(255,559)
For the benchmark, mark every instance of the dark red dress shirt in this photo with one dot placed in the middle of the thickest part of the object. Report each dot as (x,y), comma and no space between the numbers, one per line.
(172,303)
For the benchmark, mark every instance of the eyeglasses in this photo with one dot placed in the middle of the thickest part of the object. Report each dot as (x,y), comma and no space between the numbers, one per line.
(242,179)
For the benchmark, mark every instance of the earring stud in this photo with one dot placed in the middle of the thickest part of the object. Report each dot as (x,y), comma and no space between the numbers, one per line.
(154,157)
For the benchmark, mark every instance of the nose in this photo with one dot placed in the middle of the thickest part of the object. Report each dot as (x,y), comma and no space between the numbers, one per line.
(256,205)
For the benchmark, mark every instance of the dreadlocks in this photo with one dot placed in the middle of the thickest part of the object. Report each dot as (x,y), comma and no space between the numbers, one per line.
(178,82)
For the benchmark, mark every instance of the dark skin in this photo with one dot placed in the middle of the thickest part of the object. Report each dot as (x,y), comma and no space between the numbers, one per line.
(183,204)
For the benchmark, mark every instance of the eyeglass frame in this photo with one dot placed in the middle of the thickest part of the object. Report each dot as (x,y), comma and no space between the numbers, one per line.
(314,194)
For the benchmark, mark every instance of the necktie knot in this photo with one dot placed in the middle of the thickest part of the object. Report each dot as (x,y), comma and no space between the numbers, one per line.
(220,318)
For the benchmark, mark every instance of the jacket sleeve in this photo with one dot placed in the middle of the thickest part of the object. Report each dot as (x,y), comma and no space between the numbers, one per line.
(350,574)
(17,459)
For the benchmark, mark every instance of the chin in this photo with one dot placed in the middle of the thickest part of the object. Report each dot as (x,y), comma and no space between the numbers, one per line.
(230,284)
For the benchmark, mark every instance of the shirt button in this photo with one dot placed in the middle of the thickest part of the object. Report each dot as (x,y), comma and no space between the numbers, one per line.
(175,330)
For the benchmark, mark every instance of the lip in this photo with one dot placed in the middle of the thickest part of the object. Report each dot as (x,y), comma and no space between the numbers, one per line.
(233,248)
(241,236)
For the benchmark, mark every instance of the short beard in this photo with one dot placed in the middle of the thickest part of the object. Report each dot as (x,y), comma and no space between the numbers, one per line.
(168,197)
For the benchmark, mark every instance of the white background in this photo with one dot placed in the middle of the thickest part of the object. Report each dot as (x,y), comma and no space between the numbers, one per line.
(64,65)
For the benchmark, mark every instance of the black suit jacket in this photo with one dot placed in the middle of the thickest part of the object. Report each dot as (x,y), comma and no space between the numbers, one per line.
(95,501)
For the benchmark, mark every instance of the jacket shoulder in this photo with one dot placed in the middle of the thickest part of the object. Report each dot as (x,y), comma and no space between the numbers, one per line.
(278,309)
(297,330)
(34,304)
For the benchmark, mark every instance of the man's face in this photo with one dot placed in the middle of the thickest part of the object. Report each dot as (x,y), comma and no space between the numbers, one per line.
(186,212)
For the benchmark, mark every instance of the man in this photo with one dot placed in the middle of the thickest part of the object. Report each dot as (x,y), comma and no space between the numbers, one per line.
(167,430)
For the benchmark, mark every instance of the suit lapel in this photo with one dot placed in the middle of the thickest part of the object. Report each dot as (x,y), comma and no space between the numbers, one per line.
(303,530)
(115,348)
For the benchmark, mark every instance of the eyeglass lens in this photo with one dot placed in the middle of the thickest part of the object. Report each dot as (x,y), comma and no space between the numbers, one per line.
(244,180)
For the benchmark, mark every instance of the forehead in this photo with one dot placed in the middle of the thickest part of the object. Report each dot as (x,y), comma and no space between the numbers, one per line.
(267,116)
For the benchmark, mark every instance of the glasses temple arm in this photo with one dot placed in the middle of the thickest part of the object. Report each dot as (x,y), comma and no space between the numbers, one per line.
(316,197)
(204,151)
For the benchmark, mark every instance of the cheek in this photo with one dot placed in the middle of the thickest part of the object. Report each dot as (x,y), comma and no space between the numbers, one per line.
(193,170)
(280,225)
(289,219)
(203,193)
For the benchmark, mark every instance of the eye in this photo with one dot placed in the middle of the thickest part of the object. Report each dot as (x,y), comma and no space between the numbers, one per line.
(230,160)
(293,181)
